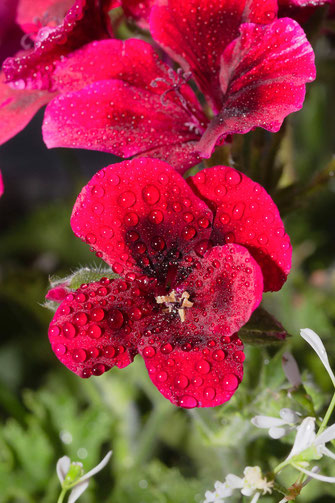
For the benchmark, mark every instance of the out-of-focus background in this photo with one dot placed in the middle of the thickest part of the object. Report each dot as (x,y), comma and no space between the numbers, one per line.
(161,454)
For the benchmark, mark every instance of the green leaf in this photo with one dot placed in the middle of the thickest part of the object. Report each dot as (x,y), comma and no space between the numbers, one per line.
(262,329)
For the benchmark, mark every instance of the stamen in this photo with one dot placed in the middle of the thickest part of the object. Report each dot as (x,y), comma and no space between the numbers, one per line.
(175,302)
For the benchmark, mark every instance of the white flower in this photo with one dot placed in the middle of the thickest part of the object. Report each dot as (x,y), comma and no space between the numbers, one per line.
(71,475)
(221,491)
(291,369)
(252,484)
(314,340)
(278,426)
(308,446)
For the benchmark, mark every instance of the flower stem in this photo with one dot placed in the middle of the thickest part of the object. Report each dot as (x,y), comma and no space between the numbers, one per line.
(61,496)
(327,415)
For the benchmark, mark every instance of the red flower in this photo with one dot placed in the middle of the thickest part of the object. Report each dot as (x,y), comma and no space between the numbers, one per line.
(302,10)
(57,27)
(251,68)
(193,256)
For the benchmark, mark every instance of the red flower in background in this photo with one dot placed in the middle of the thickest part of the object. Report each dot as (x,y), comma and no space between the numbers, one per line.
(251,68)
(195,256)
(302,10)
(55,29)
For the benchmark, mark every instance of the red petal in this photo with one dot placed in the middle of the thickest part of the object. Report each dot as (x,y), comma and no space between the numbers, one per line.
(204,376)
(263,75)
(32,16)
(58,293)
(140,215)
(2,188)
(17,108)
(96,327)
(82,23)
(180,156)
(139,11)
(195,33)
(245,214)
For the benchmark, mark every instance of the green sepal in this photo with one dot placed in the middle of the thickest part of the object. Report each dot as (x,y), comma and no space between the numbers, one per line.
(262,329)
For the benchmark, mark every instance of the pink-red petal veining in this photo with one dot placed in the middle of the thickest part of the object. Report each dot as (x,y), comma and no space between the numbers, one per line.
(263,75)
(244,213)
(195,33)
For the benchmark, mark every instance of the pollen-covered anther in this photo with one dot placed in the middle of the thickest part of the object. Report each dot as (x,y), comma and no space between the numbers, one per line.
(175,302)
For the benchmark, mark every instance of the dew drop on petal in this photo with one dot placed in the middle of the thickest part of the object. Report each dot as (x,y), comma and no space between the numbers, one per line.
(230,382)
(151,194)
(203,366)
(188,402)
(69,330)
(115,319)
(181,381)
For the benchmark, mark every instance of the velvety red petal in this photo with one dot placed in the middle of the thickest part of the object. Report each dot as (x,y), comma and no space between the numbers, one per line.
(82,23)
(96,327)
(113,116)
(32,16)
(195,33)
(263,76)
(245,214)
(17,108)
(140,215)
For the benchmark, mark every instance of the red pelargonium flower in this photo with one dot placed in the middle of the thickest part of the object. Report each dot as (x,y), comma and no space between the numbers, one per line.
(58,27)
(251,68)
(301,10)
(193,255)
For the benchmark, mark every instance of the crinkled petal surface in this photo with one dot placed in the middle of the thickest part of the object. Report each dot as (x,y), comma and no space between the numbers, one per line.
(33,15)
(140,216)
(131,110)
(96,327)
(245,214)
(263,75)
(17,108)
(195,33)
(82,23)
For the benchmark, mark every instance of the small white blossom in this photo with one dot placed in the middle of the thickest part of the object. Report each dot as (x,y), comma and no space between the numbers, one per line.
(221,491)
(278,426)
(71,475)
(314,340)
(309,446)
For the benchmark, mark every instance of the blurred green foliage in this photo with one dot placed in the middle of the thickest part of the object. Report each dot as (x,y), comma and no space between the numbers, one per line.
(162,454)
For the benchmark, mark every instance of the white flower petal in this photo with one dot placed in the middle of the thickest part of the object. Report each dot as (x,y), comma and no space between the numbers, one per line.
(97,468)
(314,340)
(210,497)
(327,452)
(291,369)
(305,436)
(315,475)
(233,481)
(289,415)
(62,467)
(247,491)
(326,436)
(255,498)
(276,433)
(77,491)
(267,421)
(223,491)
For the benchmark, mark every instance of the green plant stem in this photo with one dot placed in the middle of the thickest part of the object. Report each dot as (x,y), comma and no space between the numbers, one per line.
(61,496)
(327,415)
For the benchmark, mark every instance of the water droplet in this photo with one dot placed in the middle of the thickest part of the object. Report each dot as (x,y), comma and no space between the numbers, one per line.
(109,352)
(218,355)
(197,381)
(131,219)
(86,373)
(80,319)
(188,402)
(188,217)
(156,217)
(115,319)
(97,314)
(262,239)
(106,233)
(203,222)
(59,349)
(127,199)
(117,268)
(69,330)
(233,177)
(200,177)
(98,208)
(209,393)
(166,348)
(114,179)
(203,366)
(162,376)
(135,313)
(54,330)
(149,352)
(189,233)
(230,237)
(102,291)
(158,243)
(239,356)
(98,369)
(94,331)
(79,355)
(91,238)
(80,297)
(151,194)
(230,382)
(238,210)
(97,191)
(181,381)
